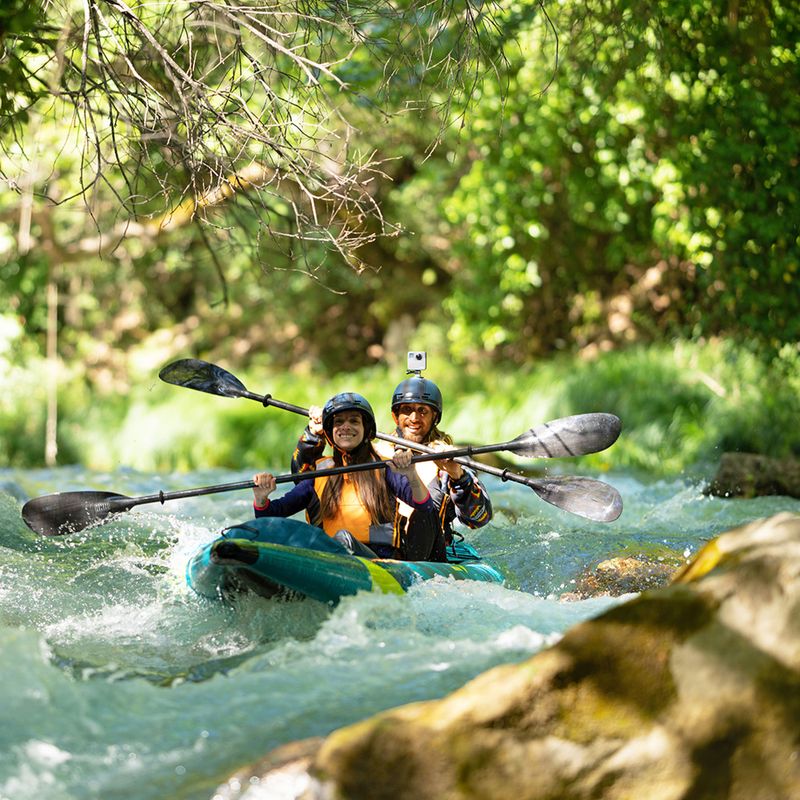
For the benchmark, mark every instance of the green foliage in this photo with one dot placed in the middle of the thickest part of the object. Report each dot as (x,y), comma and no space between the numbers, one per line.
(236,117)
(681,407)
(643,190)
(22,418)
(23,400)
(687,404)
(20,87)
(648,190)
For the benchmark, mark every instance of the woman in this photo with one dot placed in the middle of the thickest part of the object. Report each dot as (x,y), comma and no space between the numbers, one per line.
(358,508)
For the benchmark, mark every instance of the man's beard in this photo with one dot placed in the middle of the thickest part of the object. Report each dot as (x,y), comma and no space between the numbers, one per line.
(414,436)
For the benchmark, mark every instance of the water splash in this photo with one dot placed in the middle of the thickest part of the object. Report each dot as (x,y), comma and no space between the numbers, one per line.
(123,677)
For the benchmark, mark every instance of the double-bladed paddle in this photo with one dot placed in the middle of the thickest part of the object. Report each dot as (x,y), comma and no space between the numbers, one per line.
(69,512)
(571,436)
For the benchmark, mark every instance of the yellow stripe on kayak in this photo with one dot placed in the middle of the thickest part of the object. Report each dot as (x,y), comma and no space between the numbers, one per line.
(708,558)
(382,579)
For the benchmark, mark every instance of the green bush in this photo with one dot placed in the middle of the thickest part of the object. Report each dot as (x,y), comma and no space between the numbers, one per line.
(681,405)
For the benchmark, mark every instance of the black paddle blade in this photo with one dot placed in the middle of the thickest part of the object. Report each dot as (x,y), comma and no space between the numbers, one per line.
(69,512)
(195,374)
(585,497)
(578,435)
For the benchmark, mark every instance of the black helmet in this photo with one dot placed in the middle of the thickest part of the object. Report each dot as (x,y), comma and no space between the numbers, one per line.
(417,389)
(348,401)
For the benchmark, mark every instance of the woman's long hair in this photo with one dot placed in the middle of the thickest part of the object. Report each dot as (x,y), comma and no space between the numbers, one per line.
(370,485)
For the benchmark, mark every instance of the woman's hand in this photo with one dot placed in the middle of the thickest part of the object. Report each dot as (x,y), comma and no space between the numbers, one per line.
(315,420)
(264,486)
(401,462)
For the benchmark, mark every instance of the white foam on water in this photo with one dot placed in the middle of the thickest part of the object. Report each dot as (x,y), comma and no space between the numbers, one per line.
(123,677)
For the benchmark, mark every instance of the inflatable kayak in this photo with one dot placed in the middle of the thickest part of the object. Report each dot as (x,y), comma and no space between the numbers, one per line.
(276,557)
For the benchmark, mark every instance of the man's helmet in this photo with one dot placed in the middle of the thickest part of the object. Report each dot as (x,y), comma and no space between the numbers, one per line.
(417,389)
(348,401)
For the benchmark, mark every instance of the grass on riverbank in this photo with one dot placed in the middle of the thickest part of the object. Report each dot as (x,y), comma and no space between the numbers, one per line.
(680,404)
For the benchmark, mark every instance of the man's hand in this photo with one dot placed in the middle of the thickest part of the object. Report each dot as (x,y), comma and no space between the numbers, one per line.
(454,470)
(401,462)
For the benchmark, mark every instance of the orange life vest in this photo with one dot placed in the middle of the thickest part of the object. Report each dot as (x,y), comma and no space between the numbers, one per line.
(352,514)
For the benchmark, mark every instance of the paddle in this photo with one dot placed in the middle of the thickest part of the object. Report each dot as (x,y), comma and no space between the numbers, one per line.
(583,497)
(571,436)
(69,512)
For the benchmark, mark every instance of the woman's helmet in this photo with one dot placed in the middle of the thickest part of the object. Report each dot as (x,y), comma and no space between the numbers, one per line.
(348,401)
(417,389)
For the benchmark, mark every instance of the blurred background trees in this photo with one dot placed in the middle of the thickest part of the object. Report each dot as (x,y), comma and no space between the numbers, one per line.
(650,190)
(321,186)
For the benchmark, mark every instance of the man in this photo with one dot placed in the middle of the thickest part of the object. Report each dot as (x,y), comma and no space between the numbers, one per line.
(456,492)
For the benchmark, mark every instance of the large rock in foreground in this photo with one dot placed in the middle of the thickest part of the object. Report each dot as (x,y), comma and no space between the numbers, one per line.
(690,691)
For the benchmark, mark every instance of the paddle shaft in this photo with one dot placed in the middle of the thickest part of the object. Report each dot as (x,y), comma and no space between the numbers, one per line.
(600,502)
(570,436)
(503,474)
(594,499)
(124,503)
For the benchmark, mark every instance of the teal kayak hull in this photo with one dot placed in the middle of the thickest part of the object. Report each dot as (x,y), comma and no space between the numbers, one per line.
(275,557)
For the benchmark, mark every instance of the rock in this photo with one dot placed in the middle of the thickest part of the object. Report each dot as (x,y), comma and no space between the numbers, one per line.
(688,691)
(751,475)
(624,575)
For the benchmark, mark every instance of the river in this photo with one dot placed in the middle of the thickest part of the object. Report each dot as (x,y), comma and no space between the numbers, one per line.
(119,683)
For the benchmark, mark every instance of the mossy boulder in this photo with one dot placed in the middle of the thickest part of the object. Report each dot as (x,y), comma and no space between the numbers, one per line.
(688,691)
(624,574)
(752,475)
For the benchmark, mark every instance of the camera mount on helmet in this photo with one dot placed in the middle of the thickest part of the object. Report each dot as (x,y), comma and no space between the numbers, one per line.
(416,389)
(416,362)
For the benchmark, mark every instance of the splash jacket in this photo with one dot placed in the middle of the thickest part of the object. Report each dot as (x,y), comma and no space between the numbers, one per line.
(419,536)
(352,515)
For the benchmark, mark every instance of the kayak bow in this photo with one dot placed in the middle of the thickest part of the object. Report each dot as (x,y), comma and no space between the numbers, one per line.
(276,557)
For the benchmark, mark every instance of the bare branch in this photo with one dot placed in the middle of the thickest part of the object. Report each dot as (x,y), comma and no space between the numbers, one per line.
(188,104)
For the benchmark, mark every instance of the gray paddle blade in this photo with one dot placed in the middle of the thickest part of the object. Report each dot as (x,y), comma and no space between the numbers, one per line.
(569,436)
(69,512)
(195,374)
(584,497)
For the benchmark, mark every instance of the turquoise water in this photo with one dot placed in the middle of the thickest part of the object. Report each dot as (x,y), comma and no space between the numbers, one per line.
(120,683)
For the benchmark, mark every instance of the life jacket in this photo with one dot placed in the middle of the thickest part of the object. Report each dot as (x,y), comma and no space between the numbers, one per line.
(352,514)
(419,537)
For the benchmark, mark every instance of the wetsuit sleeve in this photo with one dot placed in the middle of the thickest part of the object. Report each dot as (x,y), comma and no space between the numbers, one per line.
(298,499)
(401,489)
(470,500)
(309,449)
